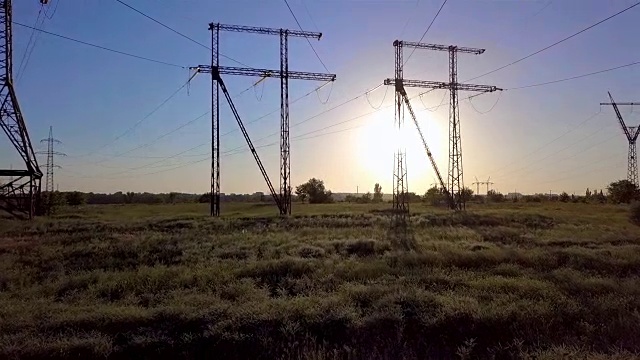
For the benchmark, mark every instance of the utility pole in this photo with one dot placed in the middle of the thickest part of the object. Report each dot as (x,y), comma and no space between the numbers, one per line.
(631,132)
(284,201)
(455,175)
(18,196)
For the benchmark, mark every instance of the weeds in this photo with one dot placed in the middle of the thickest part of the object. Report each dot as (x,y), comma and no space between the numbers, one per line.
(492,283)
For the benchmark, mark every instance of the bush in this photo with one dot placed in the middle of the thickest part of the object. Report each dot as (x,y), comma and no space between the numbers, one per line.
(634,213)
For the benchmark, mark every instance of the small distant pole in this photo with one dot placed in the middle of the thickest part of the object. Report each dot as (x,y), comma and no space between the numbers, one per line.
(357,191)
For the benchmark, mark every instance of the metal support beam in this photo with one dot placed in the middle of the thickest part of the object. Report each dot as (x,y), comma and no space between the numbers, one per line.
(265,73)
(266,31)
(215,122)
(285,160)
(14,198)
(223,87)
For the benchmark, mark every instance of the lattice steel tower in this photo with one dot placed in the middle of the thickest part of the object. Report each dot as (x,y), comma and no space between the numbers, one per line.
(455,179)
(631,132)
(19,189)
(284,74)
(49,183)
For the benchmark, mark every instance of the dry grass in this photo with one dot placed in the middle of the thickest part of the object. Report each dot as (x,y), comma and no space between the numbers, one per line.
(533,282)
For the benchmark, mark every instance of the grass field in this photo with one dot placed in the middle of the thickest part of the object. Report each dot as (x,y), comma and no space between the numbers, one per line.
(510,281)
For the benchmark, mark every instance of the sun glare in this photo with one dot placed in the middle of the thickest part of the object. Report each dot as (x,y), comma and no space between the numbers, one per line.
(380,139)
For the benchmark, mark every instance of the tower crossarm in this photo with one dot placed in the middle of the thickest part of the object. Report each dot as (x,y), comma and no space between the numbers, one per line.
(631,135)
(300,75)
(265,31)
(443,85)
(437,47)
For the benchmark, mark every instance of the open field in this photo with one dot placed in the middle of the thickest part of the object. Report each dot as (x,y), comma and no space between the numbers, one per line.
(543,281)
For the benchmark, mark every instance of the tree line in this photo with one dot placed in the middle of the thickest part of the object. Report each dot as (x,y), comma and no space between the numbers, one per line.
(315,192)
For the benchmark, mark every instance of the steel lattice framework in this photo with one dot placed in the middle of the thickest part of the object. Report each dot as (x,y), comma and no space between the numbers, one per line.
(455,182)
(631,134)
(19,189)
(284,196)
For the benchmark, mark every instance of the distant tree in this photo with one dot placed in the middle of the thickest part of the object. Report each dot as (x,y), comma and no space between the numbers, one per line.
(205,198)
(587,194)
(52,201)
(494,196)
(172,197)
(622,191)
(302,192)
(600,197)
(564,197)
(467,194)
(75,198)
(434,196)
(315,191)
(128,197)
(377,193)
(366,198)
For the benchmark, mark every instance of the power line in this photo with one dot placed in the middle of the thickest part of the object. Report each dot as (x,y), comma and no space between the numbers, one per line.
(308,41)
(557,42)
(177,32)
(490,109)
(100,47)
(29,49)
(132,127)
(411,16)
(426,31)
(561,150)
(309,14)
(321,113)
(575,77)
(572,129)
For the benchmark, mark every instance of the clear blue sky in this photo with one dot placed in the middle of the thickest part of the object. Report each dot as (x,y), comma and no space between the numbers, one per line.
(91,97)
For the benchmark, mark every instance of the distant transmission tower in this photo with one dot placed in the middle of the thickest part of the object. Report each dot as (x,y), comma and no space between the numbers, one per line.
(631,132)
(488,183)
(477,184)
(49,183)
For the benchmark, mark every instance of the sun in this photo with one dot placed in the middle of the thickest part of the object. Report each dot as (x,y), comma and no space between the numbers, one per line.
(380,139)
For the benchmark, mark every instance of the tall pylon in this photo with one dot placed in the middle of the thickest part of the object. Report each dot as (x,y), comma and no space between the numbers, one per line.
(455,180)
(631,132)
(49,183)
(19,188)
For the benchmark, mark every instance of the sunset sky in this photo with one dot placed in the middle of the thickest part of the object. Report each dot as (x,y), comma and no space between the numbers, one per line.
(554,137)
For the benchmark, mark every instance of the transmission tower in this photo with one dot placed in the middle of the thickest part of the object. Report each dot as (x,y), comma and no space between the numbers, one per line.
(631,132)
(455,179)
(283,198)
(477,184)
(49,183)
(19,188)
(488,183)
